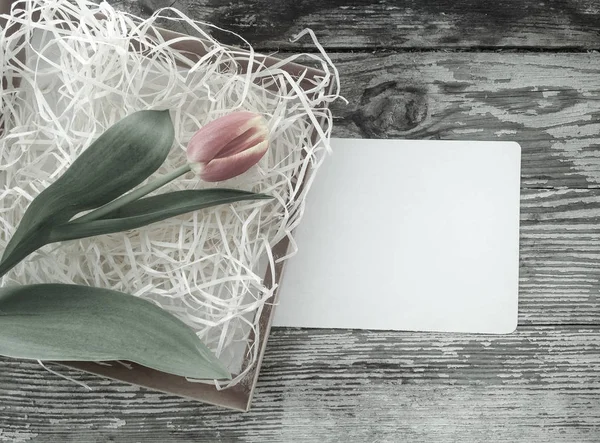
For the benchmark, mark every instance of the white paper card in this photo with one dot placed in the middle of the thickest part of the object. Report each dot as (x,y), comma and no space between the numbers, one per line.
(408,235)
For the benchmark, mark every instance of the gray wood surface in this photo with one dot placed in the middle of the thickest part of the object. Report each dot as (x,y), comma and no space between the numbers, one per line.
(392,24)
(548,102)
(404,77)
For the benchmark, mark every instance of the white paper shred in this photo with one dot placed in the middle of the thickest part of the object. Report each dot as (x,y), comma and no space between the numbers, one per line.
(82,76)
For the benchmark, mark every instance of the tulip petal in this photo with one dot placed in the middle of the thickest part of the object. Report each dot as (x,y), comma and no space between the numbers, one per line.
(251,137)
(225,168)
(209,141)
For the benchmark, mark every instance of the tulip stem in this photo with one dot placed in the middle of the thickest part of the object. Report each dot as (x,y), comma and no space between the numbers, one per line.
(133,195)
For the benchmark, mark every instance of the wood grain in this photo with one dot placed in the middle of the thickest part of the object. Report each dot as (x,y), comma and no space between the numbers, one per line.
(539,384)
(559,256)
(408,24)
(549,103)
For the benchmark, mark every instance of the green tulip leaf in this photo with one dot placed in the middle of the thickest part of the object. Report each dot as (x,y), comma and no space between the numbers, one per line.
(61,322)
(120,159)
(149,210)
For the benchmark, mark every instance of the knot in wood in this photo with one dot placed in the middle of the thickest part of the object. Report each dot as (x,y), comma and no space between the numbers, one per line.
(389,109)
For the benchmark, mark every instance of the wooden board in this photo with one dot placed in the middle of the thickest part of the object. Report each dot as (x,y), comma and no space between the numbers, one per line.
(540,384)
(408,24)
(559,256)
(549,103)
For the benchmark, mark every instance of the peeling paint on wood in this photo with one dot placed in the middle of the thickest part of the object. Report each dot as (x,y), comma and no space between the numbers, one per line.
(559,257)
(549,103)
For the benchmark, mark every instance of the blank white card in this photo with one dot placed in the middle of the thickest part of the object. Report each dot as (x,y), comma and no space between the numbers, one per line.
(408,235)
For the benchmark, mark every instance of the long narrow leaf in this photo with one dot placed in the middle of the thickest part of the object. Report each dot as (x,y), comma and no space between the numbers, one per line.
(70,322)
(120,159)
(151,210)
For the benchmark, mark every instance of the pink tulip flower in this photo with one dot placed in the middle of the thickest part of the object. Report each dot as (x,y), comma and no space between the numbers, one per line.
(228,146)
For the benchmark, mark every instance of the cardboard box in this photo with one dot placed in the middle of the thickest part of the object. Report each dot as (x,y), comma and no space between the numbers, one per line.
(238,397)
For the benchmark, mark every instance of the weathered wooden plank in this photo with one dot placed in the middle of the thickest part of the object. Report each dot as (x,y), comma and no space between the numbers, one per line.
(539,384)
(547,102)
(559,256)
(360,24)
